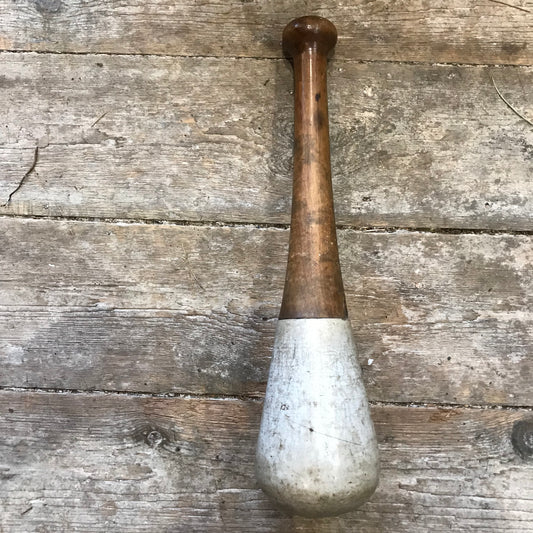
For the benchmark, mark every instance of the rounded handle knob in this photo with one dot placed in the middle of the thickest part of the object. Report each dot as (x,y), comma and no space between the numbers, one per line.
(309,32)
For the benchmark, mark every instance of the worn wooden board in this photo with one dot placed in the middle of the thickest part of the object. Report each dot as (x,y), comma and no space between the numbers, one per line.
(206,139)
(125,463)
(143,307)
(455,31)
(91,131)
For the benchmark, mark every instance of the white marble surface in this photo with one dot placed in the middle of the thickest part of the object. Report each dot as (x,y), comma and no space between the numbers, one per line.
(317,452)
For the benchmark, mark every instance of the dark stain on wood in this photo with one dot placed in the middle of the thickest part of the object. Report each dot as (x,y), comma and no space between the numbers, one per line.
(513,49)
(47,7)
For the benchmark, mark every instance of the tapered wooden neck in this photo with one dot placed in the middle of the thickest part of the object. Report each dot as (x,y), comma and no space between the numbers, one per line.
(313,284)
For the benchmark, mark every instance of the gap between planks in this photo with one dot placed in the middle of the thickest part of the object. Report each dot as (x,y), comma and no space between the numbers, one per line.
(268,58)
(266,225)
(249,398)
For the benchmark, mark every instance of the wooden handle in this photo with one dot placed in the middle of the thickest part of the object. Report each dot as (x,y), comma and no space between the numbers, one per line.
(313,285)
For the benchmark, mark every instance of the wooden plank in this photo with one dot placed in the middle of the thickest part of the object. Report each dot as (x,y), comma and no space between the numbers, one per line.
(455,31)
(121,463)
(149,137)
(191,309)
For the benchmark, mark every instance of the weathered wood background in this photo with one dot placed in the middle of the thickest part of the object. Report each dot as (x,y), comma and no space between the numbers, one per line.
(145,177)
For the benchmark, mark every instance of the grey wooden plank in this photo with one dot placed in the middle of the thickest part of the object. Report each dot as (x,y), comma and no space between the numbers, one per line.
(454,31)
(211,139)
(191,309)
(130,464)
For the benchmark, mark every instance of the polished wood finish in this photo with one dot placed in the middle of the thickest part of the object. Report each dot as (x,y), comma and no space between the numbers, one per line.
(313,284)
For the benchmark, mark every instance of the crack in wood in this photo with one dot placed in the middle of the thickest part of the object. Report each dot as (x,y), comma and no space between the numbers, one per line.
(21,183)
(98,119)
(510,5)
(338,60)
(509,105)
(254,399)
(266,225)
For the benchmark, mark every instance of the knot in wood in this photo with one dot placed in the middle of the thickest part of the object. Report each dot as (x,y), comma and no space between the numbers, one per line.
(522,438)
(154,439)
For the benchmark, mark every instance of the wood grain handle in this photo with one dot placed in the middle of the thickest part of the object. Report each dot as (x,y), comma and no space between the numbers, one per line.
(313,285)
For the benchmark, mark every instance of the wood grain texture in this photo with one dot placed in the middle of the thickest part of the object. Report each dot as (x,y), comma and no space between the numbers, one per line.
(144,464)
(130,137)
(138,307)
(313,283)
(89,130)
(455,31)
